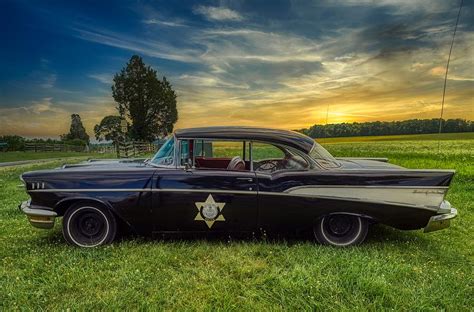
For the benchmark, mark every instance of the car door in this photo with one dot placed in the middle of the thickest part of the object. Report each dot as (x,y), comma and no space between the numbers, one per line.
(191,199)
(278,170)
(205,200)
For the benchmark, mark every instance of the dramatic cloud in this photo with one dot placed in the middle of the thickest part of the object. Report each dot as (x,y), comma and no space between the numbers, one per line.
(244,63)
(153,48)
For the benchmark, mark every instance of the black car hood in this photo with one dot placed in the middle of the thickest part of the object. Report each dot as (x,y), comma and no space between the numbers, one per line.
(355,163)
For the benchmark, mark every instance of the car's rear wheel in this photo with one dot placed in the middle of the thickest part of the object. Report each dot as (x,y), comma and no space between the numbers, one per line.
(89,225)
(341,230)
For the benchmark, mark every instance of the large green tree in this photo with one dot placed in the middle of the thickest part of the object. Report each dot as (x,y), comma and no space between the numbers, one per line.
(76,131)
(146,101)
(109,129)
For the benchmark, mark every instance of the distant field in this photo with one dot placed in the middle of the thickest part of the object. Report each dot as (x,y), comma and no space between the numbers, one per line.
(410,137)
(393,270)
(17,156)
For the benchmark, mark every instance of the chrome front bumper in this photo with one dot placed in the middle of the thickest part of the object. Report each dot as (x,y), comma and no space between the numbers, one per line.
(443,219)
(40,218)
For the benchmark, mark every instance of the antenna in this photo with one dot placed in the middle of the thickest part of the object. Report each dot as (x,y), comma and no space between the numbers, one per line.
(446,74)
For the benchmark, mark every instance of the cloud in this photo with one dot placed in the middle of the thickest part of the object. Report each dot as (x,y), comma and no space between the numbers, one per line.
(154,21)
(34,119)
(218,13)
(235,45)
(366,60)
(398,7)
(104,78)
(43,76)
(43,106)
(48,81)
(145,46)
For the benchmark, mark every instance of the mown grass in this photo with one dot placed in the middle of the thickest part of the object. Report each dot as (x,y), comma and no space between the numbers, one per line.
(410,137)
(18,156)
(393,270)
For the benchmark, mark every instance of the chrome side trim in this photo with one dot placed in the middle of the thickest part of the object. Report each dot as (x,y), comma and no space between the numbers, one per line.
(286,192)
(205,191)
(350,200)
(90,190)
(368,186)
(403,170)
(429,197)
(148,190)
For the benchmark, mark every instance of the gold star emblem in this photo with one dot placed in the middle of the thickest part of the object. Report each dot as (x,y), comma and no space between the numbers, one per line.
(209,211)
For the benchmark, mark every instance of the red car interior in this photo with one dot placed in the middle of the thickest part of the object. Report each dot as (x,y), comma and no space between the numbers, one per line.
(219,163)
(224,163)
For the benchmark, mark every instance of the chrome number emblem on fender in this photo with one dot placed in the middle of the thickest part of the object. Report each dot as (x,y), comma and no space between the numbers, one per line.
(209,211)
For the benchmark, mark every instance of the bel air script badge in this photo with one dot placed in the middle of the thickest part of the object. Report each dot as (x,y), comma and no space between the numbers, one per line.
(209,211)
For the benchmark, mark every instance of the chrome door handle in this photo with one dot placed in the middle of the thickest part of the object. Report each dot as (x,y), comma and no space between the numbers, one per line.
(245,179)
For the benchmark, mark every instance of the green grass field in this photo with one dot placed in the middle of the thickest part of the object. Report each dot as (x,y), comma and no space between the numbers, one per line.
(408,137)
(393,270)
(18,156)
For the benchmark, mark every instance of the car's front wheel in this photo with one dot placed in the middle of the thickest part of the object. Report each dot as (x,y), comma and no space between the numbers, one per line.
(89,225)
(341,230)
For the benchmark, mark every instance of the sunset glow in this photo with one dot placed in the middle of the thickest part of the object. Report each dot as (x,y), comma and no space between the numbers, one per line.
(237,63)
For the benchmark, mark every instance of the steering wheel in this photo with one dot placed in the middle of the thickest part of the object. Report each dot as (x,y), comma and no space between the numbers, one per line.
(267,165)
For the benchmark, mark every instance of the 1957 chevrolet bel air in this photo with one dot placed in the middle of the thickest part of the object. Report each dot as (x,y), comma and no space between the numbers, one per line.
(237,179)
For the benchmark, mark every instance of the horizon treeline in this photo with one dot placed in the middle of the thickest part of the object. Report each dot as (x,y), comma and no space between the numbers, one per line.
(411,126)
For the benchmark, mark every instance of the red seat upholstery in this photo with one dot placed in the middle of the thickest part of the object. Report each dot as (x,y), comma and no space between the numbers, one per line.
(236,164)
(214,163)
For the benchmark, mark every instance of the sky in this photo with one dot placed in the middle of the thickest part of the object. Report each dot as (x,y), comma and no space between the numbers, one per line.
(280,64)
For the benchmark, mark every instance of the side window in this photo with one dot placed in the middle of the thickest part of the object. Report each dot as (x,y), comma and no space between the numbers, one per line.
(202,148)
(227,149)
(218,155)
(264,151)
(270,158)
(184,156)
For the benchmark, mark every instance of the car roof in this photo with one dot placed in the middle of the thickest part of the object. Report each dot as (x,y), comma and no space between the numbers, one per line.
(275,136)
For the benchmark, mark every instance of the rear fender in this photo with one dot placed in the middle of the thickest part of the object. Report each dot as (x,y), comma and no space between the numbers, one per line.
(369,218)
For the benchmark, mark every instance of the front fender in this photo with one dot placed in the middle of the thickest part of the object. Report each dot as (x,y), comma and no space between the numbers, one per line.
(131,208)
(62,205)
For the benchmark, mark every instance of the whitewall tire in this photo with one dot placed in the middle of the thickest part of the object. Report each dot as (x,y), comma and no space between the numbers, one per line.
(341,230)
(89,225)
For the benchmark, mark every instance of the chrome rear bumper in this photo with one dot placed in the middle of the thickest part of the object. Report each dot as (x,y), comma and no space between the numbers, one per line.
(443,219)
(40,218)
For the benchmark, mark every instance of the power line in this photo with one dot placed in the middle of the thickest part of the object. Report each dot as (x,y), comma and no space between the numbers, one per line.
(446,73)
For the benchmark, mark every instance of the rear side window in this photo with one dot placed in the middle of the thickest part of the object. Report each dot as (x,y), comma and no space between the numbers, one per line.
(262,151)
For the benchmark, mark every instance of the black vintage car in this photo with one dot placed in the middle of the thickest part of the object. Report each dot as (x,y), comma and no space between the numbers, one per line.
(237,179)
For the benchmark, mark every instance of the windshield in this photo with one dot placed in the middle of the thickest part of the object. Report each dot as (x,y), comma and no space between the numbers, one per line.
(165,155)
(323,157)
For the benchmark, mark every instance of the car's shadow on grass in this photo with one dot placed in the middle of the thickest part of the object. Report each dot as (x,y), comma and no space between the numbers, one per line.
(377,235)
